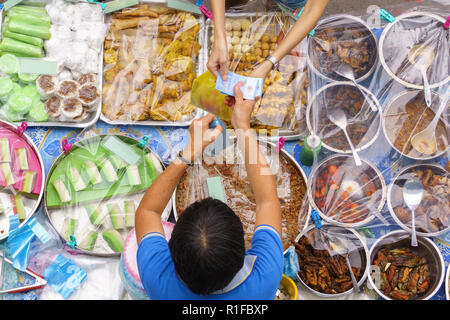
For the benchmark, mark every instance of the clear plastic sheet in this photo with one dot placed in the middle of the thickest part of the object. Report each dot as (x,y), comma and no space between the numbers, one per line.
(92,192)
(230,167)
(251,38)
(151,58)
(21,177)
(381,115)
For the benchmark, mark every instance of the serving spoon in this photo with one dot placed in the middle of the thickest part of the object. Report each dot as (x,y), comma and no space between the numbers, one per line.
(425,140)
(421,57)
(412,195)
(346,71)
(338,117)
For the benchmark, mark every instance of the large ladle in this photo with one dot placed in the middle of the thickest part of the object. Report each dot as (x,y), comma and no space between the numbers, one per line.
(425,140)
(421,57)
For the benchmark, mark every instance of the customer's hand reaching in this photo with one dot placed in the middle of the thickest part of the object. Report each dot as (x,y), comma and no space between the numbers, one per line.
(242,109)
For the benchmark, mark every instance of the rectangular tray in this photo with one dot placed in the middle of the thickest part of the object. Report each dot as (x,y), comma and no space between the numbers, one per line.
(201,67)
(93,116)
(289,135)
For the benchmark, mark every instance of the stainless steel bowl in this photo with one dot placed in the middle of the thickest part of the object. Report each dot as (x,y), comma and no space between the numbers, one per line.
(84,142)
(339,18)
(311,107)
(447,283)
(35,207)
(401,176)
(362,255)
(401,99)
(416,15)
(341,159)
(425,248)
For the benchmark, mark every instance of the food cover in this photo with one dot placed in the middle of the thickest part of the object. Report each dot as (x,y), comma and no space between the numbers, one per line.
(151,58)
(229,168)
(402,272)
(21,177)
(93,191)
(324,268)
(251,38)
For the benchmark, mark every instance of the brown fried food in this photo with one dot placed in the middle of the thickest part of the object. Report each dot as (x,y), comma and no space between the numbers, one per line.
(120,24)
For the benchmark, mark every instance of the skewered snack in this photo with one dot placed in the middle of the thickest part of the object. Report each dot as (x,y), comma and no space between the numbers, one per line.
(150,64)
(404,275)
(320,270)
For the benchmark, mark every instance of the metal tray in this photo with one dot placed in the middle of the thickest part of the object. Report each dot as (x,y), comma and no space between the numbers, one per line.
(90,119)
(12,127)
(201,67)
(165,215)
(289,135)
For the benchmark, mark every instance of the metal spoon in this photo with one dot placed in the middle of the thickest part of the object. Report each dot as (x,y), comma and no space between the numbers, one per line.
(340,246)
(425,140)
(338,117)
(346,71)
(412,195)
(422,56)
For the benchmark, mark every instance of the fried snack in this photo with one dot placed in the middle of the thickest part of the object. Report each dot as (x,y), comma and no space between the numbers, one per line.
(140,11)
(120,24)
(404,275)
(321,271)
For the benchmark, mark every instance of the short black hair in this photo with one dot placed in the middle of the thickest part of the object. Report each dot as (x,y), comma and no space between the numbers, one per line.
(207,246)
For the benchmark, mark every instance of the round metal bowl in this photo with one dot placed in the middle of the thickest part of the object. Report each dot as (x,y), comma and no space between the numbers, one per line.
(425,248)
(339,20)
(447,283)
(375,132)
(35,207)
(401,100)
(425,18)
(403,175)
(338,160)
(362,255)
(85,142)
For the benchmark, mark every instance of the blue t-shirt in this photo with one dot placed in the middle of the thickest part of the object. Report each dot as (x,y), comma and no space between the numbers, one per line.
(258,279)
(292,4)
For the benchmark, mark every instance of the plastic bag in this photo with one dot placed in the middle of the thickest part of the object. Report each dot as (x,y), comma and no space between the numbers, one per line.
(21,176)
(152,56)
(365,188)
(251,38)
(94,189)
(230,167)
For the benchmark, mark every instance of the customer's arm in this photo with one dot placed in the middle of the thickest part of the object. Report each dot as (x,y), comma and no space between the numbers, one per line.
(148,214)
(262,181)
(218,60)
(306,22)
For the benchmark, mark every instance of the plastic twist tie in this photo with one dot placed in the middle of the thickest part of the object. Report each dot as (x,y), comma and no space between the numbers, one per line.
(143,141)
(316,219)
(280,144)
(66,146)
(447,23)
(102,5)
(72,242)
(386,16)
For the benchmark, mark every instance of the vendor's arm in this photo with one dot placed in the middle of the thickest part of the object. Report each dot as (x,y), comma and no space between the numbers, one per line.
(148,214)
(218,60)
(262,181)
(305,23)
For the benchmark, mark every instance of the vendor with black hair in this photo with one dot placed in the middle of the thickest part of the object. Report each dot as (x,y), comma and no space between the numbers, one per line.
(205,257)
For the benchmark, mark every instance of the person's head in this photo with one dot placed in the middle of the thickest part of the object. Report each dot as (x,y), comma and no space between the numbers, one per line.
(207,246)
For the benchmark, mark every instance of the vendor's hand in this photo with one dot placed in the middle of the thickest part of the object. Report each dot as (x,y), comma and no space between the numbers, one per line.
(218,60)
(262,70)
(242,109)
(200,136)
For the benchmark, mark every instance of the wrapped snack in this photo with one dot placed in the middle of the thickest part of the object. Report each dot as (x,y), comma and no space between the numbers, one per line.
(9,63)
(5,154)
(38,112)
(95,214)
(19,206)
(22,159)
(117,217)
(88,241)
(7,175)
(63,192)
(76,179)
(20,48)
(132,173)
(46,85)
(92,172)
(28,181)
(68,227)
(19,103)
(38,42)
(38,31)
(71,108)
(88,94)
(114,239)
(67,89)
(87,78)
(6,88)
(130,210)
(108,171)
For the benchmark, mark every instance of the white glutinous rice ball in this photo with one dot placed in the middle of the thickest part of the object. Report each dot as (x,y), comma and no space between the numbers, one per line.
(65,75)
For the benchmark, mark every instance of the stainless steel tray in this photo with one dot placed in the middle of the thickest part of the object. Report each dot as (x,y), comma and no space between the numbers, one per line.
(35,207)
(289,135)
(165,216)
(201,67)
(92,116)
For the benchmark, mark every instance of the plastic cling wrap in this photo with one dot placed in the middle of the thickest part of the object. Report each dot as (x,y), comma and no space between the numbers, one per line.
(93,191)
(251,38)
(21,177)
(229,166)
(151,58)
(375,132)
